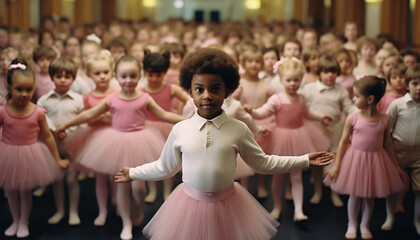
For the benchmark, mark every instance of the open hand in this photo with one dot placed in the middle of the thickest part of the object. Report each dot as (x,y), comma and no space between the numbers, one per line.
(123,175)
(318,159)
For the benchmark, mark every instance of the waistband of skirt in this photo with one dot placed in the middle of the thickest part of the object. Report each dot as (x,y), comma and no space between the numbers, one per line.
(209,196)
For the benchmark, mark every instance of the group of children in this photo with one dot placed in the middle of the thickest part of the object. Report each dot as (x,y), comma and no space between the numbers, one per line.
(235,109)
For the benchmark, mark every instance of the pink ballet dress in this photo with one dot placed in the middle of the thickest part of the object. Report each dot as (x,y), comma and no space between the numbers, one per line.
(347,83)
(293,134)
(366,169)
(173,78)
(386,100)
(127,143)
(164,99)
(25,163)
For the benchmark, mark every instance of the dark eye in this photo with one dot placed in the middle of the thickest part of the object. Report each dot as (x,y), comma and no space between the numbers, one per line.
(199,89)
(215,90)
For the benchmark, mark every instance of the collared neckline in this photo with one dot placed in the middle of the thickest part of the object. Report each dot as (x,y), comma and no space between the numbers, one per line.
(218,121)
(69,93)
(408,99)
(321,86)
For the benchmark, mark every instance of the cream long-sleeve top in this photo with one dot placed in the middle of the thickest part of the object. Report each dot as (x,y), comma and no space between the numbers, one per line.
(208,149)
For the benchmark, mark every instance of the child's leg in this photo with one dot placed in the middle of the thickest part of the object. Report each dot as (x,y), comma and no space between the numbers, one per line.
(336,200)
(367,215)
(74,195)
(101,188)
(14,206)
(277,191)
(39,191)
(261,191)
(288,195)
(399,208)
(25,210)
(139,191)
(353,207)
(391,202)
(417,211)
(123,204)
(151,196)
(297,191)
(244,182)
(58,192)
(167,187)
(317,176)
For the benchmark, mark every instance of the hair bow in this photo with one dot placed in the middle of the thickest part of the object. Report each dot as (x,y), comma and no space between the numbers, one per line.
(93,37)
(21,66)
(282,60)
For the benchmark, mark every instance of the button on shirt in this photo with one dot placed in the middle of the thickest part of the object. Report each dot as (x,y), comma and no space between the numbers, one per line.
(404,115)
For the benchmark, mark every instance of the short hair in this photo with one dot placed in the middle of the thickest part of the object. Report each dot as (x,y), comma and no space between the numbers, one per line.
(327,63)
(175,48)
(41,35)
(291,64)
(371,85)
(127,58)
(411,52)
(271,49)
(309,53)
(156,62)
(341,51)
(118,42)
(291,40)
(399,69)
(101,55)
(363,41)
(210,61)
(251,54)
(412,73)
(43,51)
(60,65)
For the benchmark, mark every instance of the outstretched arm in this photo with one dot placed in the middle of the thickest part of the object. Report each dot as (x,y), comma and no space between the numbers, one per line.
(51,144)
(123,175)
(159,112)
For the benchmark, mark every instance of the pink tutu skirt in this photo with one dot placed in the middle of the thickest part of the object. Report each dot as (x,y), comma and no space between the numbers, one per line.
(298,141)
(242,169)
(232,213)
(164,128)
(265,142)
(23,167)
(108,150)
(367,174)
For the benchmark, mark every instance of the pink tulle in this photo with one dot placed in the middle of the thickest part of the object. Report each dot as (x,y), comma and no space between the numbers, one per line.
(367,174)
(163,127)
(237,216)
(24,167)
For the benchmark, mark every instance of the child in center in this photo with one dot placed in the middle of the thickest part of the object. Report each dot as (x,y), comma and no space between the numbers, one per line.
(208,205)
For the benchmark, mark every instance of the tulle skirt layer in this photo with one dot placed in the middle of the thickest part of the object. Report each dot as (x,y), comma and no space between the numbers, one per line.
(189,214)
(23,167)
(367,174)
(164,128)
(108,150)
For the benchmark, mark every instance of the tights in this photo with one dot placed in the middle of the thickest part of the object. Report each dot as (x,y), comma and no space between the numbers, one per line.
(20,204)
(353,208)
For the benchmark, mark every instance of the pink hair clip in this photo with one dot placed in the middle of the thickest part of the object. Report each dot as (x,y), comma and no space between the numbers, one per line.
(282,60)
(17,65)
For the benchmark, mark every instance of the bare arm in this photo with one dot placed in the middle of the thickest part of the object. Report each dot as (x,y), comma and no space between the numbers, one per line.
(49,140)
(180,94)
(159,112)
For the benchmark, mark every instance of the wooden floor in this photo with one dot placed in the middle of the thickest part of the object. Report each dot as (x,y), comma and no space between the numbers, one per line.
(325,221)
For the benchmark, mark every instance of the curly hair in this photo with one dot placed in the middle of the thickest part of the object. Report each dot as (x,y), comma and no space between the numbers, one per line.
(209,61)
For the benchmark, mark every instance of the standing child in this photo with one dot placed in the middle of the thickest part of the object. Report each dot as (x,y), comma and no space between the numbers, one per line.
(404,121)
(366,48)
(24,162)
(208,205)
(6,57)
(310,58)
(410,56)
(62,104)
(291,48)
(365,168)
(128,142)
(155,66)
(270,57)
(396,81)
(346,78)
(42,57)
(351,34)
(326,97)
(293,135)
(390,60)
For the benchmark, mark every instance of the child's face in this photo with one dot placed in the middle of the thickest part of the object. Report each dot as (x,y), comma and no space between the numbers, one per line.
(72,47)
(291,81)
(367,52)
(313,63)
(22,89)
(252,66)
(101,73)
(137,51)
(208,92)
(351,32)
(388,63)
(414,89)
(128,76)
(88,50)
(117,52)
(309,40)
(291,49)
(328,77)
(379,58)
(269,58)
(155,79)
(397,82)
(47,40)
(43,63)
(359,100)
(175,60)
(62,82)
(344,61)
(409,60)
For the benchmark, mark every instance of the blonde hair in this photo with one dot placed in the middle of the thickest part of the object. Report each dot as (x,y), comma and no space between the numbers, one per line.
(101,55)
(293,65)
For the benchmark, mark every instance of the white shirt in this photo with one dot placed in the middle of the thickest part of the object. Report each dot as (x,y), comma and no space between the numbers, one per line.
(61,108)
(208,149)
(404,120)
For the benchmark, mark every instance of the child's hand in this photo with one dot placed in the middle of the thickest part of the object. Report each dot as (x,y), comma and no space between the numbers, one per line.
(123,175)
(60,131)
(332,173)
(247,108)
(264,131)
(61,135)
(63,163)
(317,159)
(326,119)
